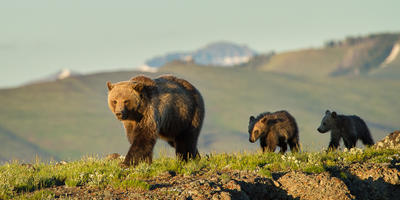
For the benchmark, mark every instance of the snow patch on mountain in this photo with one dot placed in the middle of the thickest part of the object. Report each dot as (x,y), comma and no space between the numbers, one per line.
(393,55)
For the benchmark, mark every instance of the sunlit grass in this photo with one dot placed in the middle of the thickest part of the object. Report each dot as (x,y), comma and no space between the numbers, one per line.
(16,179)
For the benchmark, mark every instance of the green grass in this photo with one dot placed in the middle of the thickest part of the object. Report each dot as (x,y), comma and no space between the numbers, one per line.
(17,181)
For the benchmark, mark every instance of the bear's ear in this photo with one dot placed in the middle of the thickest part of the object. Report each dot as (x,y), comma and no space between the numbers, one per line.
(334,115)
(143,84)
(109,85)
(327,112)
(263,120)
(252,118)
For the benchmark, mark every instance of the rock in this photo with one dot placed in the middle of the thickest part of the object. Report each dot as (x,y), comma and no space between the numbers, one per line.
(29,166)
(276,183)
(391,141)
(314,186)
(107,194)
(113,156)
(61,163)
(233,185)
(225,196)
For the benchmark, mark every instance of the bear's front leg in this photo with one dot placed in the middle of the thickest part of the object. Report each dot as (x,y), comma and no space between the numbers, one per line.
(141,150)
(335,139)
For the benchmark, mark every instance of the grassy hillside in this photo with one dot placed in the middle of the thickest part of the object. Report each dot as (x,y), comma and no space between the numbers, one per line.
(318,62)
(69,118)
(351,56)
(15,147)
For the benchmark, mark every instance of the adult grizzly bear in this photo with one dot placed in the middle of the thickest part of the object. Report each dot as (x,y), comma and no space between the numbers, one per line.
(274,129)
(350,128)
(166,107)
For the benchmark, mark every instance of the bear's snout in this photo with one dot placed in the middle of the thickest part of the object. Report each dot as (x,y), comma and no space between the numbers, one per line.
(251,140)
(121,115)
(321,130)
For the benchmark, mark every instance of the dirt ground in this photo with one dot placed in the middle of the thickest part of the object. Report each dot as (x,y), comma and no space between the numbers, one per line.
(356,181)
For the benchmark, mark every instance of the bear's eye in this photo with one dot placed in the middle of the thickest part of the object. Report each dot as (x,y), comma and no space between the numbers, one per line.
(126,102)
(114,102)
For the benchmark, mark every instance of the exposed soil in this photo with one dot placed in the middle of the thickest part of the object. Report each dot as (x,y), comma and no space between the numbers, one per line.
(356,181)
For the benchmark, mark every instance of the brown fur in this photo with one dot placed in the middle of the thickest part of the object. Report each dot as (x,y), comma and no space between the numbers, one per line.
(274,129)
(166,107)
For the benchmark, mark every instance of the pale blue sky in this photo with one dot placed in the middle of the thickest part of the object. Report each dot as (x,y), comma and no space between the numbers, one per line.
(40,37)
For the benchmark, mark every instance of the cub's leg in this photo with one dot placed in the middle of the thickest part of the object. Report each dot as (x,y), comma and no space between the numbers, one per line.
(334,143)
(282,145)
(272,142)
(294,144)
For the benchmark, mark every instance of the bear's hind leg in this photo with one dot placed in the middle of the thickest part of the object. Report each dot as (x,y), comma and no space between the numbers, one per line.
(171,143)
(283,145)
(272,142)
(349,144)
(366,138)
(186,145)
(294,144)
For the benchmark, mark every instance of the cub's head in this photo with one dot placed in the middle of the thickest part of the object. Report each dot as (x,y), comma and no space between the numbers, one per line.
(260,126)
(128,99)
(328,121)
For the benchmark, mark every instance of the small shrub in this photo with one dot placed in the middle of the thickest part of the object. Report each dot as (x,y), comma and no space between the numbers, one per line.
(265,172)
(343,175)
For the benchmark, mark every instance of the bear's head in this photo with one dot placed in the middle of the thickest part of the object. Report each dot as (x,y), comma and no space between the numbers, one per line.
(128,99)
(260,127)
(328,122)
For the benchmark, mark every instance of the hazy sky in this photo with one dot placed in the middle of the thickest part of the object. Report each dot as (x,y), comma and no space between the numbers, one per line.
(40,37)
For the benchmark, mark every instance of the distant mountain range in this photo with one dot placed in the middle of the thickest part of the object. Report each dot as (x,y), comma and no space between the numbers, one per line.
(217,54)
(69,118)
(353,56)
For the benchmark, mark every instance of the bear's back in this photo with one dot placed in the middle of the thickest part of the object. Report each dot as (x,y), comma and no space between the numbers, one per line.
(288,123)
(177,103)
(354,122)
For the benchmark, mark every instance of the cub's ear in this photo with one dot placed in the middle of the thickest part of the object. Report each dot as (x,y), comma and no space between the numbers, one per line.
(109,85)
(252,118)
(327,112)
(263,120)
(334,115)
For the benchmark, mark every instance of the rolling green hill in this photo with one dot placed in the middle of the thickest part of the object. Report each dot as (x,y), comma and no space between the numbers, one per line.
(69,118)
(352,56)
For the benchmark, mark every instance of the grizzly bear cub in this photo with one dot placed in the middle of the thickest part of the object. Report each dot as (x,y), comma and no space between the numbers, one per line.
(274,129)
(166,107)
(350,128)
